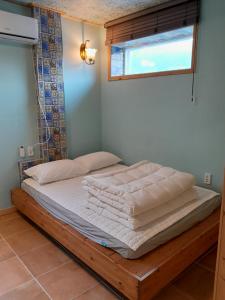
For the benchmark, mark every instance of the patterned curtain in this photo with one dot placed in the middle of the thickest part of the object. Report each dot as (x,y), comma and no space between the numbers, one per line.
(48,59)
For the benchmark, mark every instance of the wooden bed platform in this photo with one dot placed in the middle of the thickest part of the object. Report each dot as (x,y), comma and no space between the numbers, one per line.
(136,279)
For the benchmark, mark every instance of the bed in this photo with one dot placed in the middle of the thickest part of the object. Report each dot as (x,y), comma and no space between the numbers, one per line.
(150,267)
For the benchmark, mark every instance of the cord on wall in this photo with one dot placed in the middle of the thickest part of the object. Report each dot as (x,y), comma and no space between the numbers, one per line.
(193,99)
(42,108)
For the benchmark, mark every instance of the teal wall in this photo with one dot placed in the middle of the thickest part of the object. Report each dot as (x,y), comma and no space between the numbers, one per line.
(154,119)
(15,9)
(18,104)
(82,89)
(18,109)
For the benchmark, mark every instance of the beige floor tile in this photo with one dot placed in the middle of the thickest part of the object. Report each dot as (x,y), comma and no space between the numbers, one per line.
(12,274)
(97,293)
(67,282)
(28,291)
(27,240)
(44,259)
(14,226)
(64,279)
(171,293)
(209,261)
(5,251)
(197,282)
(9,217)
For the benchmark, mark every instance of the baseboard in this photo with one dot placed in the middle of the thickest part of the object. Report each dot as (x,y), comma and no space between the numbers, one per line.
(6,211)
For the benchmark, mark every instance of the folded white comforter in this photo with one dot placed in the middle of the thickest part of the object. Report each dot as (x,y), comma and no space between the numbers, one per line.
(139,188)
(145,218)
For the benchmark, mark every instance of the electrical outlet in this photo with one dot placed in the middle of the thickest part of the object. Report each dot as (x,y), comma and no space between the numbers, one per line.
(30,151)
(207,178)
(194,100)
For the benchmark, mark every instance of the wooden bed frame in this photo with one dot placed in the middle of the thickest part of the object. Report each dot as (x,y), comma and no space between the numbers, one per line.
(136,279)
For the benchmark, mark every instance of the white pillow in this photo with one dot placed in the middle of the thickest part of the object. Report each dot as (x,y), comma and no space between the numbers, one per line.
(56,171)
(98,160)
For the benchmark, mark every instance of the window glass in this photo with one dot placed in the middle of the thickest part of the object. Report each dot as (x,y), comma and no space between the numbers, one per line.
(170,51)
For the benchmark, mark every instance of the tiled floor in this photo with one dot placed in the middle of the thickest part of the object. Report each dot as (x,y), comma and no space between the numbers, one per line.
(32,267)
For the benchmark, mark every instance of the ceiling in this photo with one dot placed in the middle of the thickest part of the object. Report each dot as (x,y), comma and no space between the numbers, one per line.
(95,11)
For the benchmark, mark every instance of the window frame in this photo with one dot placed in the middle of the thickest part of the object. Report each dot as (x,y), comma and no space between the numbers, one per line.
(162,73)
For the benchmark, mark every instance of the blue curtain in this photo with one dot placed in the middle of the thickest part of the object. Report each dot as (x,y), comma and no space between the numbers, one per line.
(48,59)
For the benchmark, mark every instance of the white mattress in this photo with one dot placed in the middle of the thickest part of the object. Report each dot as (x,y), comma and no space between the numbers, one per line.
(70,198)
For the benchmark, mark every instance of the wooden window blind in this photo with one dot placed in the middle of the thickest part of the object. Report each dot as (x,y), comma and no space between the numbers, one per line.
(161,18)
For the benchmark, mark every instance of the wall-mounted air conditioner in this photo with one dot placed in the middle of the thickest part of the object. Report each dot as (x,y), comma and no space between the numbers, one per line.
(18,28)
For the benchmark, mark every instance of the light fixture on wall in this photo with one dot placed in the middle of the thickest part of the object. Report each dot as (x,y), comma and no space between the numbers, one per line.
(87,54)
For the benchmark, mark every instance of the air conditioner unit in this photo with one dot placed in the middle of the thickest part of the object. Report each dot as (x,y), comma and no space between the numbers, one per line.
(18,28)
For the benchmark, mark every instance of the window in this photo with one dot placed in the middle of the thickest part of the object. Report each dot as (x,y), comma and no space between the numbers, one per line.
(171,52)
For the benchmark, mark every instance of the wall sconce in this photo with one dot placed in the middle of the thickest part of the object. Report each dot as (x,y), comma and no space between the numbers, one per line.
(87,54)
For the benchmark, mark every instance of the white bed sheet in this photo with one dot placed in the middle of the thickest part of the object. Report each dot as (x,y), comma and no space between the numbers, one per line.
(70,195)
